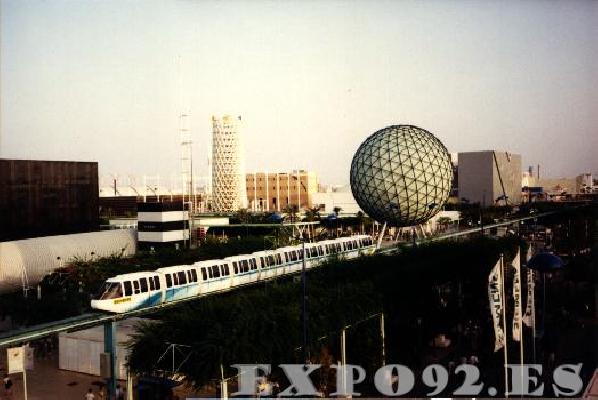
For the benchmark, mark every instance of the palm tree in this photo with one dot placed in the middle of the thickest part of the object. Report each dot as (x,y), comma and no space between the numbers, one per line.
(337,210)
(291,211)
(243,216)
(312,214)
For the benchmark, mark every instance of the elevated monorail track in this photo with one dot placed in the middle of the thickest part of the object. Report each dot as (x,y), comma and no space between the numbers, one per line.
(88,320)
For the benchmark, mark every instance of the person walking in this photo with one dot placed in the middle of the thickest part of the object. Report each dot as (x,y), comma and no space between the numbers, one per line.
(89,395)
(7,386)
(120,393)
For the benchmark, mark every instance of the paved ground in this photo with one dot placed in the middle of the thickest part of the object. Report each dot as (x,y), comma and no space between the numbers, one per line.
(47,382)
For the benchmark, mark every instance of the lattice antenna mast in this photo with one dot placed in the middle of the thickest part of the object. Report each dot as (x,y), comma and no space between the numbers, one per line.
(188,187)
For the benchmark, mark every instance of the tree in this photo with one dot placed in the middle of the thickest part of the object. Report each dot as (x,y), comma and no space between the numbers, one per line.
(243,216)
(291,211)
(312,214)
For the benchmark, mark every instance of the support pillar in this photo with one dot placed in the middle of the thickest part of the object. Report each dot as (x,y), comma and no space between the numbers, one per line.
(110,348)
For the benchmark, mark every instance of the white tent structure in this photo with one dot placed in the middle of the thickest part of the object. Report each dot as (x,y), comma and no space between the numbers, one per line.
(24,263)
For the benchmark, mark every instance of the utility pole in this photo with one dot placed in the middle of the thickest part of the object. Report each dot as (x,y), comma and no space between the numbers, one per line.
(304,302)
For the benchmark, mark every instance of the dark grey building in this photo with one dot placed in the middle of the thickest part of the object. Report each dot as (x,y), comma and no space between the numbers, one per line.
(41,198)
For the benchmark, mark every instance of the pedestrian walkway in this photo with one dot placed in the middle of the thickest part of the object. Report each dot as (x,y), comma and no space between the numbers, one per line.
(47,382)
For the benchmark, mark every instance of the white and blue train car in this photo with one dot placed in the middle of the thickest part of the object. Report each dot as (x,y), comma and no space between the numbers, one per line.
(181,281)
(215,275)
(127,292)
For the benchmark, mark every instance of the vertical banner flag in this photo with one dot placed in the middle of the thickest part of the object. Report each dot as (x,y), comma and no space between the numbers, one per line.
(517,297)
(495,297)
(14,358)
(531,281)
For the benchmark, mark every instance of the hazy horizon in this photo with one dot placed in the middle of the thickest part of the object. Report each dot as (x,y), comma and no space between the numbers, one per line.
(105,81)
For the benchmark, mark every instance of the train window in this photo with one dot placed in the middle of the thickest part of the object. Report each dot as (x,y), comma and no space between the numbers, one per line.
(215,271)
(111,290)
(300,254)
(279,259)
(271,261)
(286,257)
(235,268)
(194,275)
(320,251)
(128,288)
(355,244)
(157,282)
(225,269)
(253,263)
(143,284)
(135,287)
(168,281)
(314,252)
(182,278)
(210,272)
(338,247)
(262,262)
(152,285)
(204,276)
(175,278)
(189,276)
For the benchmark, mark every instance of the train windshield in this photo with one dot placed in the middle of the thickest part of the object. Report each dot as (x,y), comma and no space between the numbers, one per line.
(111,290)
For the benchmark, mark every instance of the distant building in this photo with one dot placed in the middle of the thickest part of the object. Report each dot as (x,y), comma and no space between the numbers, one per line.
(484,175)
(555,189)
(331,197)
(228,166)
(162,225)
(274,191)
(40,198)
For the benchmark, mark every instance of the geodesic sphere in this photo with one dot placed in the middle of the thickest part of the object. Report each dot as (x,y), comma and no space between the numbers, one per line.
(401,175)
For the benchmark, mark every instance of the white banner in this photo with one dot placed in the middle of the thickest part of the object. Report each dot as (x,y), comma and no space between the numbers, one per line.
(495,297)
(529,309)
(531,282)
(517,297)
(15,357)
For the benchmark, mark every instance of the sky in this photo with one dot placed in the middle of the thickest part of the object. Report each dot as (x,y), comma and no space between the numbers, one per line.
(106,80)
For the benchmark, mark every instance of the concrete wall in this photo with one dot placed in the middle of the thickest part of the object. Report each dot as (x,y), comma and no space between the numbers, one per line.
(476,177)
(479,178)
(336,197)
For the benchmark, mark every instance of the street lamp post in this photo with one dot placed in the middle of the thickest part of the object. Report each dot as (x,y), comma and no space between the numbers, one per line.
(304,301)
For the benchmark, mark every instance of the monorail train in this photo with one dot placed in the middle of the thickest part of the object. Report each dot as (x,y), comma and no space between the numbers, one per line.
(127,292)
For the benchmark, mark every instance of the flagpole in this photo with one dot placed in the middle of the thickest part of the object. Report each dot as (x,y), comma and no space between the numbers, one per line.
(534,314)
(521,330)
(504,321)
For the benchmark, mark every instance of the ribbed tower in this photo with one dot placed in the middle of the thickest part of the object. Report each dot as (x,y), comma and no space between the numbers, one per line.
(228,166)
